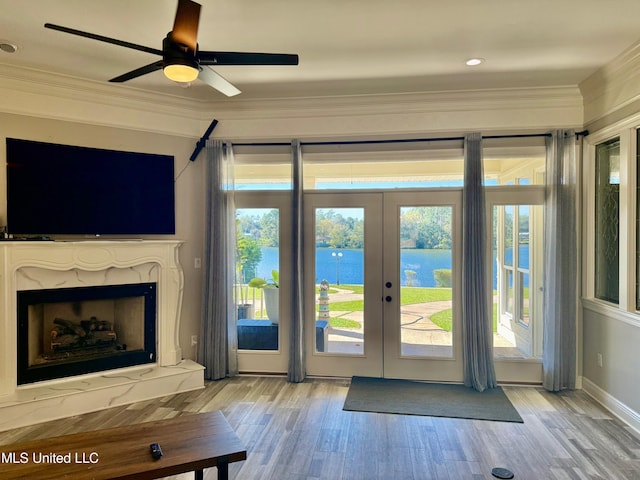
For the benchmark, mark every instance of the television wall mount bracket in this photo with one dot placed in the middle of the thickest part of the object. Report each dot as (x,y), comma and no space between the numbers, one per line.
(202,142)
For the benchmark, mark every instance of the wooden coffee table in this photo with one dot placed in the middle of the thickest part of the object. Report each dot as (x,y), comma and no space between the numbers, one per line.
(189,443)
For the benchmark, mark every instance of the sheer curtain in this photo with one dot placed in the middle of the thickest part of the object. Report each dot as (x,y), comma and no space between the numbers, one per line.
(218,348)
(561,264)
(477,334)
(296,371)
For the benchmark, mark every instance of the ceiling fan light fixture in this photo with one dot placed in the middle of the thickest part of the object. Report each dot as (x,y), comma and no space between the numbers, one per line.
(181,73)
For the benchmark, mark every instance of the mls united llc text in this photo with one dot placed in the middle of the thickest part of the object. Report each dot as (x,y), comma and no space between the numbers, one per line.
(51,457)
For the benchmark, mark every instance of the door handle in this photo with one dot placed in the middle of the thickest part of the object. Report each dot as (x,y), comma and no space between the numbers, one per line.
(388,285)
(388,298)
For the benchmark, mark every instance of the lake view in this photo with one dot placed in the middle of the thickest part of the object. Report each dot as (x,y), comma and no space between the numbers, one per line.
(351,268)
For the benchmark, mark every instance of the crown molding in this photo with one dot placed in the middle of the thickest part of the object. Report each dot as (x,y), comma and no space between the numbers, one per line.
(421,102)
(374,116)
(44,94)
(613,86)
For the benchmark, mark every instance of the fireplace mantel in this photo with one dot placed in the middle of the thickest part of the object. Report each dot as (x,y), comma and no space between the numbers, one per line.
(34,265)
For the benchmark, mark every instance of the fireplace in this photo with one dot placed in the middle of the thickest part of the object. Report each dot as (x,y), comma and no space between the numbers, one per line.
(38,269)
(65,332)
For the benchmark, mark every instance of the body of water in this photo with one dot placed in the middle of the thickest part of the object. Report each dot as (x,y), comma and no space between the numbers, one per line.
(350,269)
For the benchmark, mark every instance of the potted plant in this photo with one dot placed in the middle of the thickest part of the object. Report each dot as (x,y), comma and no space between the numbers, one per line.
(270,293)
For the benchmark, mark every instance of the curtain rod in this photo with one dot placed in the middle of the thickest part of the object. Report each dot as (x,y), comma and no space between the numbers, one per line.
(398,140)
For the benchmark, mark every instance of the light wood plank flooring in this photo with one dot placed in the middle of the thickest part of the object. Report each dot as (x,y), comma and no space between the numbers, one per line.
(299,431)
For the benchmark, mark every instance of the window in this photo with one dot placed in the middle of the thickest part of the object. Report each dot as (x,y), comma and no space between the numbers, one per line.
(514,161)
(514,174)
(262,168)
(383,166)
(262,198)
(256,289)
(607,221)
(517,276)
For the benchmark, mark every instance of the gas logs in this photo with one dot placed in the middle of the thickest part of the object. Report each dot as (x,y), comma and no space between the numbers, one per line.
(67,335)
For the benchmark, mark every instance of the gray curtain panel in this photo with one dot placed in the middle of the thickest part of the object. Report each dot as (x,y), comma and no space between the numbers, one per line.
(477,334)
(561,262)
(297,371)
(218,349)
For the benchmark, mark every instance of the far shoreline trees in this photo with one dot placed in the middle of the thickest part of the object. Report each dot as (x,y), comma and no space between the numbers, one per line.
(422,228)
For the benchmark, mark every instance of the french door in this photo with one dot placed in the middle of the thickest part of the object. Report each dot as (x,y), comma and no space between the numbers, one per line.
(383,283)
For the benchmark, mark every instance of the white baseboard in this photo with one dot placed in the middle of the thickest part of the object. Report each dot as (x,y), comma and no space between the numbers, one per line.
(612,404)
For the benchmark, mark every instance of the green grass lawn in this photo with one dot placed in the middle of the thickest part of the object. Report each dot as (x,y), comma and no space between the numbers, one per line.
(408,296)
(411,295)
(339,322)
(443,319)
(352,288)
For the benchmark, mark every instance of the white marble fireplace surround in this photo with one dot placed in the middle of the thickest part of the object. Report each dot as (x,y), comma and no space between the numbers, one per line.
(34,265)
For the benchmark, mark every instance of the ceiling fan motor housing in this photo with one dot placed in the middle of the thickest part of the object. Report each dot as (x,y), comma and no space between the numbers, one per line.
(174,53)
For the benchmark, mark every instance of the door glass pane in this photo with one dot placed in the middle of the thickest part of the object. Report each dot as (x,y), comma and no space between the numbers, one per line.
(256,290)
(607,220)
(339,285)
(426,281)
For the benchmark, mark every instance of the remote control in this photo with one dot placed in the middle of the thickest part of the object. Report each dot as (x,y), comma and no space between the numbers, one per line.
(156,451)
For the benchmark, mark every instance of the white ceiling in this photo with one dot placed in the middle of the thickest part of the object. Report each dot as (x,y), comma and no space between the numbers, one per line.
(346,47)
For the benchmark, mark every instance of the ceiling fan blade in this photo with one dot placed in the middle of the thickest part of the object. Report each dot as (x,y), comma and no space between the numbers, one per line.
(246,58)
(215,80)
(138,72)
(185,25)
(101,38)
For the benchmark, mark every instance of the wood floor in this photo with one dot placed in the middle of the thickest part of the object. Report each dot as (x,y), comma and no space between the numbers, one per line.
(299,431)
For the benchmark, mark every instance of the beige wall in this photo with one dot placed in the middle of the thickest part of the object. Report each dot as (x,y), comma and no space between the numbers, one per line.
(188,189)
(617,342)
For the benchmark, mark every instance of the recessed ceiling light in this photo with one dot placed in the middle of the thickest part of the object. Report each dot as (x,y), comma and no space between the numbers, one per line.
(472,62)
(8,47)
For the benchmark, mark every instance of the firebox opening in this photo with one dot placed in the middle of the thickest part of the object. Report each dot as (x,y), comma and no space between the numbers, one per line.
(73,331)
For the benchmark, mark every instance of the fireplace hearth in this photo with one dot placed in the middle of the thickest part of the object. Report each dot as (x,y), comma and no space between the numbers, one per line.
(65,332)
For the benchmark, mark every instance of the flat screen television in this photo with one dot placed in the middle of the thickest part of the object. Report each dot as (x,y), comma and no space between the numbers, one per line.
(68,190)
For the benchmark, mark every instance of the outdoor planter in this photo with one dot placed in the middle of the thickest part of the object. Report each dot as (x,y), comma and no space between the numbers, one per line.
(271,302)
(270,294)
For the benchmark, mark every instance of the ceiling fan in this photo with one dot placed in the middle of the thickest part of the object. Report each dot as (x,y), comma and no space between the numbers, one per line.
(181,59)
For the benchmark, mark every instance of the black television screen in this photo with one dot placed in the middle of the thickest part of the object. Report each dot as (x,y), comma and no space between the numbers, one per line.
(62,189)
